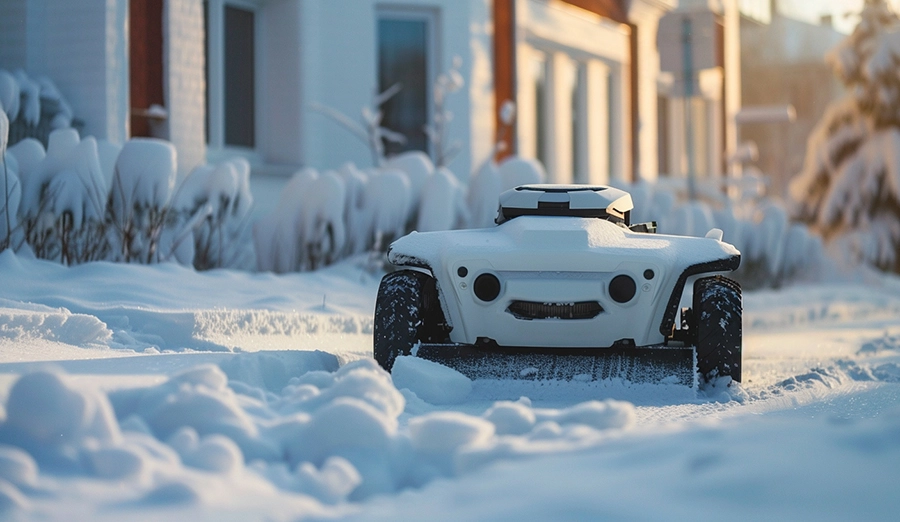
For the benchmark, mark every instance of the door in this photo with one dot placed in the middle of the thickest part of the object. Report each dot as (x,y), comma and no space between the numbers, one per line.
(145,24)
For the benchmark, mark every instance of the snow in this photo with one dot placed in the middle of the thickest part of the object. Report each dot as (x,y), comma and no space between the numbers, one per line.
(145,175)
(430,381)
(133,391)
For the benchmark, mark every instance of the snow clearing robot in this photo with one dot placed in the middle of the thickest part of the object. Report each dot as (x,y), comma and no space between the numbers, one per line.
(564,287)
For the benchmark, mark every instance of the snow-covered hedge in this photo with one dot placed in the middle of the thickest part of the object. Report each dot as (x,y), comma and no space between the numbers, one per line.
(323,217)
(34,106)
(88,200)
(774,250)
(213,205)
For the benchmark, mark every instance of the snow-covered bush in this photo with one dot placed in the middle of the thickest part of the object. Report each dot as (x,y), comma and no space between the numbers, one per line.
(306,231)
(12,190)
(356,218)
(387,202)
(140,200)
(849,188)
(87,200)
(35,107)
(515,171)
(213,204)
(418,168)
(483,196)
(63,197)
(312,226)
(774,251)
(488,181)
(443,205)
(322,218)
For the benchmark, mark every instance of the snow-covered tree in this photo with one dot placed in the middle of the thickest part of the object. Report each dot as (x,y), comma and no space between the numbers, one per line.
(849,189)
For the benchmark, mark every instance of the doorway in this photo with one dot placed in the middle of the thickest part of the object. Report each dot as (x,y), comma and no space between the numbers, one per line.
(145,25)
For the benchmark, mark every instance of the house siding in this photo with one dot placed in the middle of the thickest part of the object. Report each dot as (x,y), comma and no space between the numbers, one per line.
(13,34)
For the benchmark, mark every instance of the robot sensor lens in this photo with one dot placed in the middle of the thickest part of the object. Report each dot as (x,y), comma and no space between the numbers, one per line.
(622,288)
(487,287)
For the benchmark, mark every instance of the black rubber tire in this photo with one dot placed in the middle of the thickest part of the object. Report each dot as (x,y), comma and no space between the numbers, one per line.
(407,311)
(717,320)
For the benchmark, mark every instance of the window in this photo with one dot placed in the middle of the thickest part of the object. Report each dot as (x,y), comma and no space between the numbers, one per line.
(239,77)
(405,45)
(231,73)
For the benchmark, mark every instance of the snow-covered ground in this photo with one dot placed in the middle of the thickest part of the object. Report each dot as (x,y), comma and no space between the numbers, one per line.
(150,392)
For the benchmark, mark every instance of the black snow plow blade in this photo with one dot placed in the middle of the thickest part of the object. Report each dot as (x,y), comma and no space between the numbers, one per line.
(658,364)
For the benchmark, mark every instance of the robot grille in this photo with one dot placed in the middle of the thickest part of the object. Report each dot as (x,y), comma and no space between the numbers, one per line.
(535,310)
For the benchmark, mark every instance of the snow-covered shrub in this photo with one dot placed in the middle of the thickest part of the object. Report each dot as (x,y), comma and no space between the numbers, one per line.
(63,197)
(12,190)
(490,180)
(306,231)
(356,218)
(387,202)
(483,196)
(139,200)
(86,200)
(418,169)
(443,205)
(10,95)
(849,188)
(774,250)
(35,107)
(213,205)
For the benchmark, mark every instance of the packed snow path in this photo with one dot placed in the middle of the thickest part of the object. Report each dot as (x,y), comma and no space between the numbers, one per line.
(150,392)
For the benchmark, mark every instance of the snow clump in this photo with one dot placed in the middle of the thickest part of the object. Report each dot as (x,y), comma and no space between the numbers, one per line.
(334,436)
(430,381)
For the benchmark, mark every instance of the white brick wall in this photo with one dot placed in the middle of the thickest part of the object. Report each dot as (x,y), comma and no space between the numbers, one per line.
(185,84)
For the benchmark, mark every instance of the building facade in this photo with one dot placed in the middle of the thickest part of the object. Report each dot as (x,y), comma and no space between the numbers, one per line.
(258,78)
